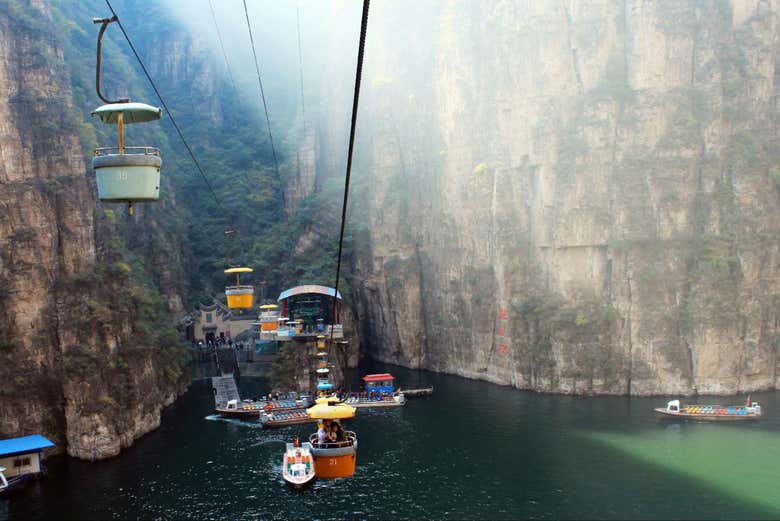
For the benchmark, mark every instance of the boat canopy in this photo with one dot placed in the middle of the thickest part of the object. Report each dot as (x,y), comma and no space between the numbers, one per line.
(382,377)
(239,270)
(24,445)
(324,386)
(308,288)
(331,411)
(327,399)
(132,112)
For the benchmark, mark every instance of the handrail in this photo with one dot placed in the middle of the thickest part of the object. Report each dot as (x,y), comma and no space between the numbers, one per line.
(349,442)
(147,151)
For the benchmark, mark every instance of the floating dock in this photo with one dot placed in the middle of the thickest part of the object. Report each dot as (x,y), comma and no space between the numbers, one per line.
(416,393)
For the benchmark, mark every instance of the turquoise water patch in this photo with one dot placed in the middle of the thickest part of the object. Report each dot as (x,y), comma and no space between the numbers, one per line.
(739,461)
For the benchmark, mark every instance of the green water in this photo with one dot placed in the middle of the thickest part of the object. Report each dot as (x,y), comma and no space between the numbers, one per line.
(472,450)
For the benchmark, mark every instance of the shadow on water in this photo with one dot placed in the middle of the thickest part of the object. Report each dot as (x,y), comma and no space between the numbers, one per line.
(472,450)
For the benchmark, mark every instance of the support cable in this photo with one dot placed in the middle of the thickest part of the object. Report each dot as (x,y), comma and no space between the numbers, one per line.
(224,54)
(358,76)
(262,93)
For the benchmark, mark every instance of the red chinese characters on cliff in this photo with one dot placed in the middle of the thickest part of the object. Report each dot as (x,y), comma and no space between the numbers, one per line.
(502,325)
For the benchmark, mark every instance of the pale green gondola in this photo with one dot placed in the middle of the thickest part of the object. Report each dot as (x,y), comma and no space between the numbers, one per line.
(124,174)
(127,174)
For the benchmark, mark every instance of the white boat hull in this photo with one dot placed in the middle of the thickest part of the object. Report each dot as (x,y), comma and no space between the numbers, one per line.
(298,466)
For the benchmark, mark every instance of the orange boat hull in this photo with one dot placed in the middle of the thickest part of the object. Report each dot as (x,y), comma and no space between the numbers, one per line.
(335,466)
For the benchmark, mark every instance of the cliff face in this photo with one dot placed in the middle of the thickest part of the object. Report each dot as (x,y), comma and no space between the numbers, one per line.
(573,196)
(77,359)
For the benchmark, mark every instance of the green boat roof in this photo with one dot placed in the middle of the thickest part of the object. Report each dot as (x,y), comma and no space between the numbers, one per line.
(133,112)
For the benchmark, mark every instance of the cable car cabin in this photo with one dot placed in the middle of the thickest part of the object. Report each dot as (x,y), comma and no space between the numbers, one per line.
(127,174)
(269,317)
(269,321)
(379,383)
(238,296)
(333,459)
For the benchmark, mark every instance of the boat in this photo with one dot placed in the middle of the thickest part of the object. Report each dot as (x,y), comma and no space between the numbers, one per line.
(333,459)
(379,393)
(286,405)
(10,484)
(379,383)
(749,411)
(384,400)
(245,410)
(24,456)
(284,418)
(298,465)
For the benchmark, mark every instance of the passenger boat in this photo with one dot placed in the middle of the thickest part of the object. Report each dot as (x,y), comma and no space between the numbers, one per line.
(385,400)
(245,410)
(284,418)
(711,412)
(24,457)
(337,459)
(298,465)
(379,393)
(13,483)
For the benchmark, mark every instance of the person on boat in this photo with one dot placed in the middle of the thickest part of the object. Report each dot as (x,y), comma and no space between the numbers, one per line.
(333,435)
(340,436)
(321,435)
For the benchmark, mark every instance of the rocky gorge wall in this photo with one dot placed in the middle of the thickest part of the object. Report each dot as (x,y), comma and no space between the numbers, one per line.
(81,360)
(576,197)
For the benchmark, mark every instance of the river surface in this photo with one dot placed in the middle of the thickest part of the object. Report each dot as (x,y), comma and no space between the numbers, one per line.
(472,450)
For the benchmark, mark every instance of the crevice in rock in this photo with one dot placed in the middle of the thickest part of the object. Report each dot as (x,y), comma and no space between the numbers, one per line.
(574,59)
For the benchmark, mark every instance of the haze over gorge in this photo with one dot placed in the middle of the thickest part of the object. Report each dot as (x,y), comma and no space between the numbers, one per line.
(561,196)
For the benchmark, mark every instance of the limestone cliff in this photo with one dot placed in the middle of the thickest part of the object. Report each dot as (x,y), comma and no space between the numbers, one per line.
(81,360)
(572,196)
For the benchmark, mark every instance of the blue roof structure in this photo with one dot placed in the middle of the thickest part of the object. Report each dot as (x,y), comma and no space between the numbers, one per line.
(324,386)
(308,288)
(24,444)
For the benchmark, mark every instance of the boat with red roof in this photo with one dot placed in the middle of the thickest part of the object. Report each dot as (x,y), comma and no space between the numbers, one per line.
(379,392)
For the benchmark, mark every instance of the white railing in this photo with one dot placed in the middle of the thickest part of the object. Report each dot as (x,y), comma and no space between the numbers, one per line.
(112,151)
(350,441)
